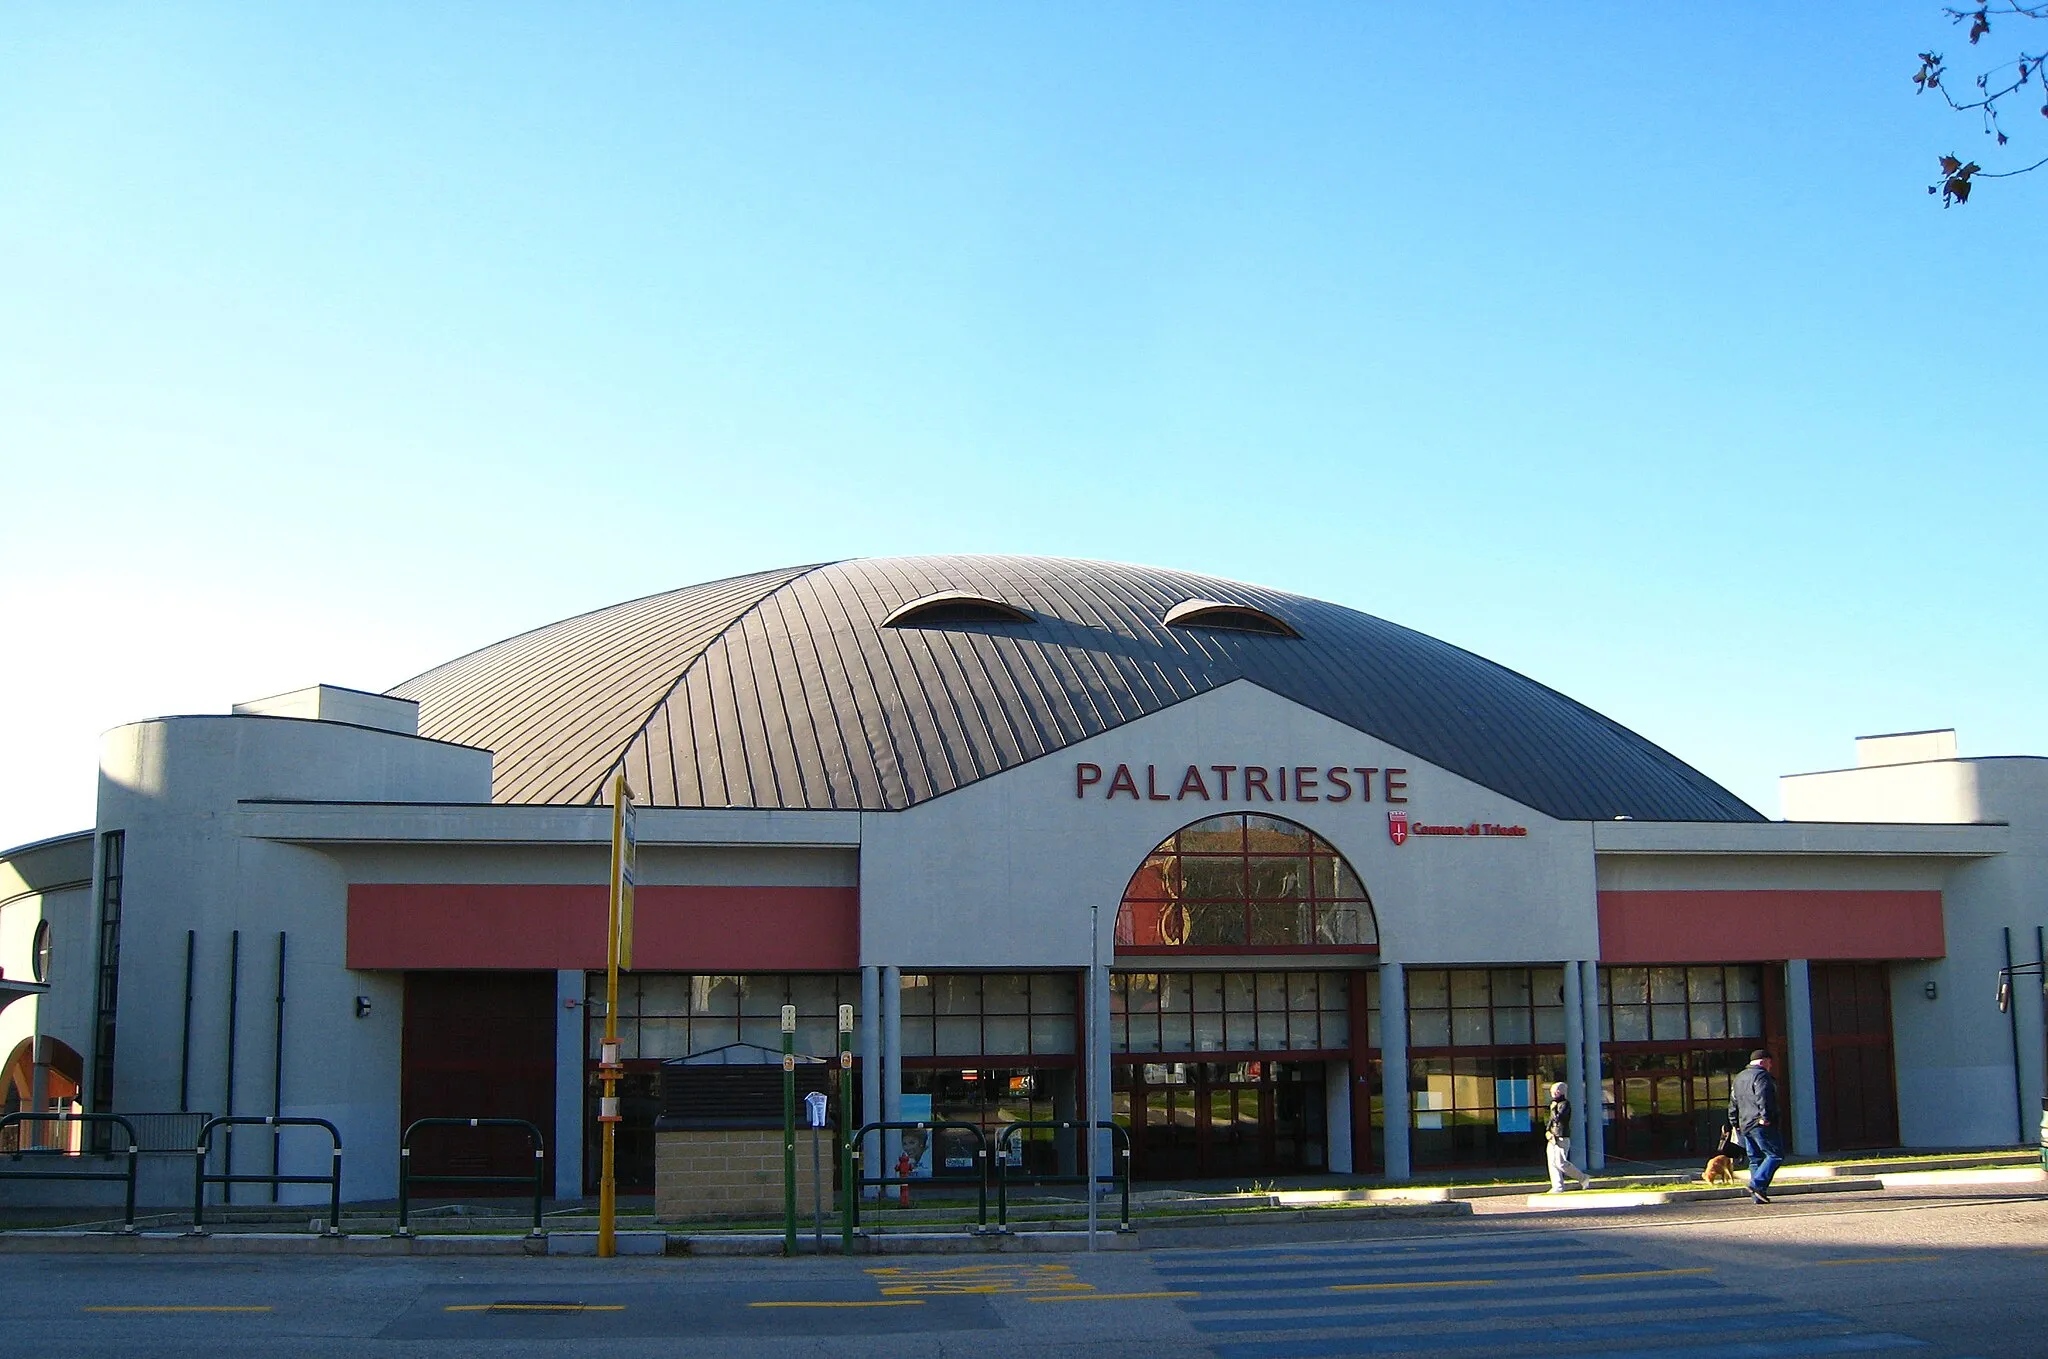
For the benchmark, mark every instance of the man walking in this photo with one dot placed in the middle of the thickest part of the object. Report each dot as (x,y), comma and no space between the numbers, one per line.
(1753,1113)
(1557,1142)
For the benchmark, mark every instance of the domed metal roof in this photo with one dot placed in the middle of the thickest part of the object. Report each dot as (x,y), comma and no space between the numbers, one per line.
(787,689)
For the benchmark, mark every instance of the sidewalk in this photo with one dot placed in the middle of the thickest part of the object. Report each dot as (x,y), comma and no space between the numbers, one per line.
(1041,1224)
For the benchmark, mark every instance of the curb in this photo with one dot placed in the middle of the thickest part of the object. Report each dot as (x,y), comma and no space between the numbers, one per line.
(262,1243)
(1289,1207)
(1914,1179)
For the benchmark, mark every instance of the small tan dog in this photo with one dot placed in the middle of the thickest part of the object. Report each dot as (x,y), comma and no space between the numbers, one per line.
(1720,1170)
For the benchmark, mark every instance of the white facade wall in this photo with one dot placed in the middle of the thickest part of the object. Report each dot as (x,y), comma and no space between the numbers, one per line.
(180,789)
(1001,874)
(1967,1075)
(259,823)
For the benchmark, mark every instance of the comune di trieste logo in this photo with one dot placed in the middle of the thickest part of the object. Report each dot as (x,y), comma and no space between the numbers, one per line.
(1397,827)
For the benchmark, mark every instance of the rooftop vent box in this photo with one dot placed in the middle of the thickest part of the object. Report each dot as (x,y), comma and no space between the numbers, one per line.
(1905,747)
(331,703)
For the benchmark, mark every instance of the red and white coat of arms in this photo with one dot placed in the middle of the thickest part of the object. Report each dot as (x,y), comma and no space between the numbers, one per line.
(1397,827)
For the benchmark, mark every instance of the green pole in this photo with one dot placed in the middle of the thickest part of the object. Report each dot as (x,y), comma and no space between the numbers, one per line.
(789,1130)
(846,1127)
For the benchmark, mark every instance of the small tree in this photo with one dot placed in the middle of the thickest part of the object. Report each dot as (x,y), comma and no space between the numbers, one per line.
(1997,92)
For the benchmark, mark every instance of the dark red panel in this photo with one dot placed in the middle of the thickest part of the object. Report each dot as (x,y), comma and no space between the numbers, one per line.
(1768,926)
(677,929)
(477,1045)
(1856,1097)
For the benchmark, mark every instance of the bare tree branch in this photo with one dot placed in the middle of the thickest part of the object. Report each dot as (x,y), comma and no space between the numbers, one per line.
(1998,84)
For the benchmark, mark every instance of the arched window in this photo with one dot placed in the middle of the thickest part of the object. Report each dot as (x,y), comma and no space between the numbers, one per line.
(1246,884)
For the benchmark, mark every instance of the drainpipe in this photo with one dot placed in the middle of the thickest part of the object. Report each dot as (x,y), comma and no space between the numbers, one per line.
(2012,1020)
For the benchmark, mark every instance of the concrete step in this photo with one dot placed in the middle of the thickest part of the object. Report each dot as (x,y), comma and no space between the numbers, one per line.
(1996,1160)
(1593,1200)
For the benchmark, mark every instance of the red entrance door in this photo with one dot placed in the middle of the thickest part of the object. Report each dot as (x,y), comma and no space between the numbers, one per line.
(1852,1056)
(478,1045)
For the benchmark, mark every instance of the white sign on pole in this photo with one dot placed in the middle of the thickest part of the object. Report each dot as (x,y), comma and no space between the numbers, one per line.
(814,1108)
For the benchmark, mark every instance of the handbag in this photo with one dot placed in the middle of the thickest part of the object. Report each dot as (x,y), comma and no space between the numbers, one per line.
(1729,1145)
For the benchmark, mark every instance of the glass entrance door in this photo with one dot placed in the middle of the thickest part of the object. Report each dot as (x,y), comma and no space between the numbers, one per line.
(1208,1120)
(1239,1106)
(1653,1111)
(1168,1141)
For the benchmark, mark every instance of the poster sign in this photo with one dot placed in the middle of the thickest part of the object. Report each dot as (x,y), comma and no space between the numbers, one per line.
(1512,1105)
(625,871)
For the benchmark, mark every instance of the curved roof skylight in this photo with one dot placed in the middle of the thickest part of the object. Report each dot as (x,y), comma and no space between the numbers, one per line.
(953,606)
(1210,613)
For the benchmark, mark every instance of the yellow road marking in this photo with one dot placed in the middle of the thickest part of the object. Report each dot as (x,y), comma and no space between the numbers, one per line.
(969,1269)
(536,1307)
(896,1281)
(1644,1274)
(1881,1260)
(889,1302)
(1113,1297)
(1422,1283)
(174,1309)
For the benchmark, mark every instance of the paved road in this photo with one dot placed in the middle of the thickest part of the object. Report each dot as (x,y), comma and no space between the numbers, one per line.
(1938,1276)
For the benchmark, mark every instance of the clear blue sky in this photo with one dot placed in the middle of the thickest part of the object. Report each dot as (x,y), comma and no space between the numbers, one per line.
(1622,346)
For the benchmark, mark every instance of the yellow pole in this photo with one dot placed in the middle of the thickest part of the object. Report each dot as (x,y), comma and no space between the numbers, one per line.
(608,1061)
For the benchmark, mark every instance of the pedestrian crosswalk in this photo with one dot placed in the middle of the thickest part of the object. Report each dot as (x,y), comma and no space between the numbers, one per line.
(1533,1294)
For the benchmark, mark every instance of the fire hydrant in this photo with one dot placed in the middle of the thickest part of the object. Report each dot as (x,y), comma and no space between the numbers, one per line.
(904,1165)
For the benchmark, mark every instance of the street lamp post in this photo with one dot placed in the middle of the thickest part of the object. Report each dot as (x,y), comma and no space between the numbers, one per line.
(2005,976)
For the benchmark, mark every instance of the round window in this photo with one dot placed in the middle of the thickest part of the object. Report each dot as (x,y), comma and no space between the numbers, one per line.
(40,961)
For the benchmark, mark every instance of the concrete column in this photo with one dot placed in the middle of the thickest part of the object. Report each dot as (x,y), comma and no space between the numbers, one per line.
(892,1064)
(567,1147)
(1575,1064)
(1596,1112)
(1394,1069)
(870,1065)
(1337,1117)
(39,1134)
(1098,1069)
(1798,1083)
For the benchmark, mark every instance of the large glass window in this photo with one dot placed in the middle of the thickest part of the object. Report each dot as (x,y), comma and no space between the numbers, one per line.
(1240,1012)
(679,1014)
(1244,883)
(1484,1045)
(1483,1007)
(113,872)
(989,1014)
(1671,1040)
(993,1098)
(1681,1004)
(1481,1110)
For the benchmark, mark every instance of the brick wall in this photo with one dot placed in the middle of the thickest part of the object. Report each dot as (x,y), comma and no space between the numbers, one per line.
(733,1173)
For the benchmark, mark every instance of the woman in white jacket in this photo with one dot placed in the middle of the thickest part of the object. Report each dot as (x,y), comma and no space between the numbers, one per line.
(1557,1142)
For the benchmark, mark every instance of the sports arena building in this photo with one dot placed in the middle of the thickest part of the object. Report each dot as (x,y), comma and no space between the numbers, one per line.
(1348,896)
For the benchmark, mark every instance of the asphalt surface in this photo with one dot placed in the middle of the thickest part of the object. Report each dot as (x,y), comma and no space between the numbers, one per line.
(1943,1275)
